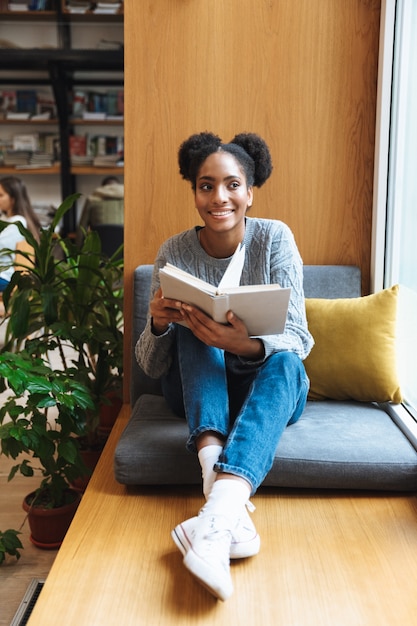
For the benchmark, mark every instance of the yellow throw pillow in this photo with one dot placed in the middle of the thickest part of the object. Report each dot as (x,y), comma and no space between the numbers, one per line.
(354,356)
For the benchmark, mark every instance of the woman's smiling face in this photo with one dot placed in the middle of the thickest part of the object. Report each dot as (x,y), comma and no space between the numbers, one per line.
(222,195)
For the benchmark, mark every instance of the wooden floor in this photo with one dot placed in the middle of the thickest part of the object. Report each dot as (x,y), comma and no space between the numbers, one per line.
(327,559)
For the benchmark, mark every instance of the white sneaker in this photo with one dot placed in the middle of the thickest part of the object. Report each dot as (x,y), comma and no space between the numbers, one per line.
(206,554)
(245,540)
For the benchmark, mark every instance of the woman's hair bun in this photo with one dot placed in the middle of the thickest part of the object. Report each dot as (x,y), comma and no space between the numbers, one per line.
(258,150)
(194,151)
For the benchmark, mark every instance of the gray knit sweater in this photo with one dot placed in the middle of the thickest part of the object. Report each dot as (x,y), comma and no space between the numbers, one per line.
(271,257)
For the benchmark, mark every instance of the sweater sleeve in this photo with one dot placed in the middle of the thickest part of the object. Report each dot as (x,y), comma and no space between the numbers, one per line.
(286,269)
(154,352)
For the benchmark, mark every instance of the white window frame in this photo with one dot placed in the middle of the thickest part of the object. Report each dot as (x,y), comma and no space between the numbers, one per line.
(382,140)
(383,253)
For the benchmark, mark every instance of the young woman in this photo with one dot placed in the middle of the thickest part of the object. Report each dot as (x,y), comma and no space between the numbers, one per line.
(15,207)
(238,393)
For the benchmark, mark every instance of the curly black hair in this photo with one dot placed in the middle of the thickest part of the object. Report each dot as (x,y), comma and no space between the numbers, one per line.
(250,150)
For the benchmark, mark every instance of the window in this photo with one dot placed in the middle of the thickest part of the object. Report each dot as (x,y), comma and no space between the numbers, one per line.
(395,252)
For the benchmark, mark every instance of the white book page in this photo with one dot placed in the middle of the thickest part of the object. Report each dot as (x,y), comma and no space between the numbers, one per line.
(231,277)
(186,277)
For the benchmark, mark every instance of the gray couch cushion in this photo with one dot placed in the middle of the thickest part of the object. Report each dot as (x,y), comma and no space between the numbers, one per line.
(334,445)
(344,444)
(332,281)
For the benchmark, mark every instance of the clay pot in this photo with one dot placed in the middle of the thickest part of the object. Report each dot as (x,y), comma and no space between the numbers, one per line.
(109,412)
(107,417)
(90,458)
(49,526)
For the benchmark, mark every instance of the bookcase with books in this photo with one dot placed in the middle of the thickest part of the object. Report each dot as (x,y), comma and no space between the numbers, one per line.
(61,96)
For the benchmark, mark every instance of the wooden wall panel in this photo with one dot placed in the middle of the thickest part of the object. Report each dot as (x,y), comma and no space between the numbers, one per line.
(301,73)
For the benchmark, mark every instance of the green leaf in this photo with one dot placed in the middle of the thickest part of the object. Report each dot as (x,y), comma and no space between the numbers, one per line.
(50,300)
(5,430)
(9,544)
(68,450)
(46,403)
(10,539)
(19,320)
(62,209)
(39,385)
(13,472)
(25,468)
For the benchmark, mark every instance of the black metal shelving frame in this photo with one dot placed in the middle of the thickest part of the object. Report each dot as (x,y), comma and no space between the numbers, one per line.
(59,67)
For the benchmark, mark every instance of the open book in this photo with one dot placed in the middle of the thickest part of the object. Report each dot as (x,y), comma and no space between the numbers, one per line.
(262,308)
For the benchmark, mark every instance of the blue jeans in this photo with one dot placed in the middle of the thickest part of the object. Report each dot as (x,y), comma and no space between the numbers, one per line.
(3,284)
(248,405)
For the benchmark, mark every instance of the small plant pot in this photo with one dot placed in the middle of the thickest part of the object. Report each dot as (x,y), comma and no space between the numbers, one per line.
(90,458)
(48,527)
(109,412)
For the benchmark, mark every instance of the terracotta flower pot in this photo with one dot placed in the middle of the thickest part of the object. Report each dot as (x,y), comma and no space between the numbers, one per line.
(109,412)
(90,458)
(48,527)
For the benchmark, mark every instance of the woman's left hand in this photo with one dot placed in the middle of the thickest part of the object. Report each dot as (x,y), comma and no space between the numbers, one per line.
(232,337)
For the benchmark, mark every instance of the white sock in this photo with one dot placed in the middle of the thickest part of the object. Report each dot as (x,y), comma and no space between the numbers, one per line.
(208,456)
(227,497)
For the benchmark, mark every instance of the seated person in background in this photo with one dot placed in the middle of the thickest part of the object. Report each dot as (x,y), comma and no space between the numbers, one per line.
(104,206)
(15,207)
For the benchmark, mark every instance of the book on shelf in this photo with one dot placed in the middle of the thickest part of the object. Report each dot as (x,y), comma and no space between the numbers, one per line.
(12,158)
(79,103)
(262,308)
(39,5)
(101,145)
(18,5)
(41,159)
(13,115)
(78,6)
(8,100)
(96,105)
(50,143)
(40,117)
(32,149)
(26,101)
(120,102)
(93,115)
(81,160)
(107,160)
(77,145)
(29,142)
(111,103)
(46,103)
(25,104)
(107,7)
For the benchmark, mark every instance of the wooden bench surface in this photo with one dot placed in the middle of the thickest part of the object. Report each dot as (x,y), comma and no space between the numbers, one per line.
(327,559)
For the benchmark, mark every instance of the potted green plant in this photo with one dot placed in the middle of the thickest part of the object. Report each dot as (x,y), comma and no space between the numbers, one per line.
(69,299)
(10,544)
(43,443)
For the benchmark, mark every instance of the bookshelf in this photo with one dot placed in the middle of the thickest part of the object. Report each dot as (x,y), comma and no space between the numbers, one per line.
(72,62)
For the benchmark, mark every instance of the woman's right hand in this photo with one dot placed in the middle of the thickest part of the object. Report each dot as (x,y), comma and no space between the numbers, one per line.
(164,311)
